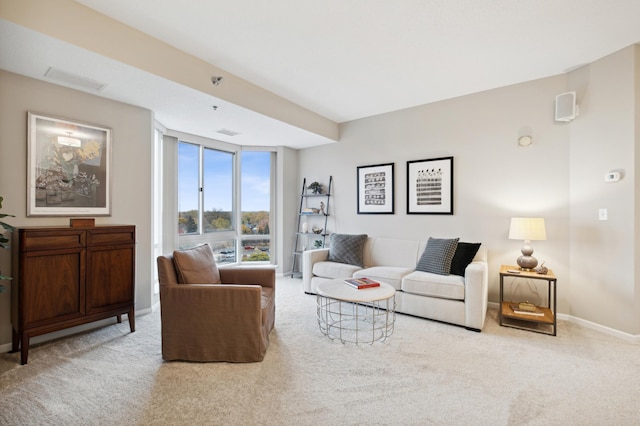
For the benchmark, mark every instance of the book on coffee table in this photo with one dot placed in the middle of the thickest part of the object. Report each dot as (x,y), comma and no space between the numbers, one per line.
(361,283)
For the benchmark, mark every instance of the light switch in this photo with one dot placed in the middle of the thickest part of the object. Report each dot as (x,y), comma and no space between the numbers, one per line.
(602,214)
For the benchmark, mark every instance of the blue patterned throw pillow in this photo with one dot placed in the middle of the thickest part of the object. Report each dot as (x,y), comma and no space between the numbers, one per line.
(344,248)
(437,256)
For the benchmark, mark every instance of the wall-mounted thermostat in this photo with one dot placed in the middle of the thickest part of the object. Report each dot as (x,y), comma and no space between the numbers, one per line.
(612,177)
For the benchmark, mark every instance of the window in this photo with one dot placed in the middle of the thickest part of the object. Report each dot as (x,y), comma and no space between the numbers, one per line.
(209,206)
(256,206)
(188,188)
(218,191)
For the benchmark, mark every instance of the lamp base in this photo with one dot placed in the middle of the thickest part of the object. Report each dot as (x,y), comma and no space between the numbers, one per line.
(527,263)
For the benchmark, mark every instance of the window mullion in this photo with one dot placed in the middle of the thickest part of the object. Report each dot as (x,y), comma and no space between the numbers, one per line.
(201,191)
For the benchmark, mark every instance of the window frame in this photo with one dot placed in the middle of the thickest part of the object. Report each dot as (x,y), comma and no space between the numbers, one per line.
(235,234)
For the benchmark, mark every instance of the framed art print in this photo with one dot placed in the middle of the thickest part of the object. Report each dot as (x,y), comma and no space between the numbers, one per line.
(430,186)
(375,189)
(69,168)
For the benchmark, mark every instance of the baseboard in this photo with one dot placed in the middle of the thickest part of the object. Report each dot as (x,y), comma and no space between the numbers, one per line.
(601,328)
(590,325)
(79,329)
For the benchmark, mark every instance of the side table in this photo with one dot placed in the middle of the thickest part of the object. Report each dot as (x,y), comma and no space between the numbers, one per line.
(545,323)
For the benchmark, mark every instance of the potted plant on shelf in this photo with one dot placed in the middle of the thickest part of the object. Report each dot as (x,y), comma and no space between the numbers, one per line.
(4,241)
(315,188)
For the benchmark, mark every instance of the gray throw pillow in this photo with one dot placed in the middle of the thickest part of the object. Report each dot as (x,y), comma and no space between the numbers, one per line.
(437,256)
(349,249)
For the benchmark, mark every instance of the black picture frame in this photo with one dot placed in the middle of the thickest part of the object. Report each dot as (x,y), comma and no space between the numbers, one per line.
(375,189)
(430,186)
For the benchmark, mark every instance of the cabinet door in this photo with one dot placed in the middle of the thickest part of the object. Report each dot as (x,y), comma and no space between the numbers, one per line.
(110,277)
(51,286)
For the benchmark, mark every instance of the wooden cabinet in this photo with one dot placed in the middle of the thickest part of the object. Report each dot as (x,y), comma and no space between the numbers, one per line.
(64,277)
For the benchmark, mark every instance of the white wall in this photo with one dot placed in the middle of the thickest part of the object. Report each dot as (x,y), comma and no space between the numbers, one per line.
(636,225)
(604,138)
(132,136)
(287,204)
(494,179)
(559,178)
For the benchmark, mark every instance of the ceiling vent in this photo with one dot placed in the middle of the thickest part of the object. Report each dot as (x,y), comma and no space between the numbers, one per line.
(74,80)
(228,132)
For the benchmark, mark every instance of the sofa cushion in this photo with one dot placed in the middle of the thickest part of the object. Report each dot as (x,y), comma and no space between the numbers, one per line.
(465,252)
(334,270)
(196,266)
(345,248)
(387,274)
(434,285)
(437,256)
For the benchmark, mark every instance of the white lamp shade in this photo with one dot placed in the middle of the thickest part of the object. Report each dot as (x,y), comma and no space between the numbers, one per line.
(527,228)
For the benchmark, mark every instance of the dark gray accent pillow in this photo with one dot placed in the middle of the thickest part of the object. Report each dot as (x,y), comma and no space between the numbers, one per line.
(346,248)
(465,252)
(437,256)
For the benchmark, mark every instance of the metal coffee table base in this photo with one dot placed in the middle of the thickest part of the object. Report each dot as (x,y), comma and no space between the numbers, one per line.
(354,322)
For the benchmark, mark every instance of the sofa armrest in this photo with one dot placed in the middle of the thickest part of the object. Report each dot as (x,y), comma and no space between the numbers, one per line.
(265,277)
(309,258)
(476,289)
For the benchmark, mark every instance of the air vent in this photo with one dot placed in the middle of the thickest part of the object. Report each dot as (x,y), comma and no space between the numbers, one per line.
(228,132)
(74,80)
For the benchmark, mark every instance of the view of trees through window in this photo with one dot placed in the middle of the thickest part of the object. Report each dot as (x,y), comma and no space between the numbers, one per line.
(205,196)
(255,205)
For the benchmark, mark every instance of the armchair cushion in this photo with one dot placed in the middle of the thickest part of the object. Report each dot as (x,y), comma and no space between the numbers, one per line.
(196,266)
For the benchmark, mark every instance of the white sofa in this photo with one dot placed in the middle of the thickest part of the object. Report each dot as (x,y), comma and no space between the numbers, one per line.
(448,298)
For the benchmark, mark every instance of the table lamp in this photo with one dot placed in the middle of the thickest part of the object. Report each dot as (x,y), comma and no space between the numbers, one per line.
(527,229)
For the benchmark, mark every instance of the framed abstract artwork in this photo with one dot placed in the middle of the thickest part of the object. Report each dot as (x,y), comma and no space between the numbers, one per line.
(375,189)
(69,167)
(430,186)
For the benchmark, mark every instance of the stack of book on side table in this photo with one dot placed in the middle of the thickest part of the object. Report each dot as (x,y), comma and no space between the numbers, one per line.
(361,283)
(526,308)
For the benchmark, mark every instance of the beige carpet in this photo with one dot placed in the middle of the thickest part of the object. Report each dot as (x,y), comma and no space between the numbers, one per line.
(425,373)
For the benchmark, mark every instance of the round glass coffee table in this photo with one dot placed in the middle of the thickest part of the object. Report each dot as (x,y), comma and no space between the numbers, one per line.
(356,315)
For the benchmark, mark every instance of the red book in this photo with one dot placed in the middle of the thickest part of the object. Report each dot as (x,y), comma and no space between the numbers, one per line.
(361,283)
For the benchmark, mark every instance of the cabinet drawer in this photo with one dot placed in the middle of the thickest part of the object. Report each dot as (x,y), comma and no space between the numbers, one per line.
(32,239)
(111,235)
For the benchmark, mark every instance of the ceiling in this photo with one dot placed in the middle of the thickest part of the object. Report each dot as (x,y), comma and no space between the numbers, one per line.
(344,60)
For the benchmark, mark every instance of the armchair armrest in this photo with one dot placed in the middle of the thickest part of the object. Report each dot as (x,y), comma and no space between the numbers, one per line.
(265,277)
(201,303)
(309,258)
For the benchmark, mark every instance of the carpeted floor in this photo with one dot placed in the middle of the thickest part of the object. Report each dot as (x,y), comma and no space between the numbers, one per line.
(425,373)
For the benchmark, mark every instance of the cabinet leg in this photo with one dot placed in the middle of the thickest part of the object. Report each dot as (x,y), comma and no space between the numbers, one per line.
(119,318)
(15,341)
(24,351)
(132,319)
